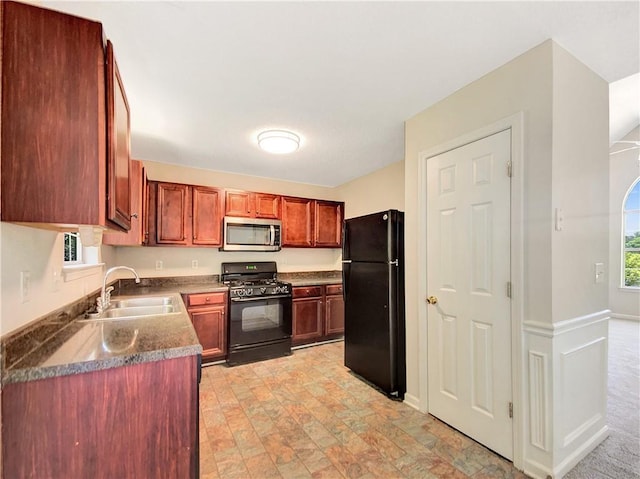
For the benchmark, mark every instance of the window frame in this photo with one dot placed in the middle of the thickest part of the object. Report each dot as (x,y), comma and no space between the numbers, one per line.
(87,262)
(78,249)
(625,212)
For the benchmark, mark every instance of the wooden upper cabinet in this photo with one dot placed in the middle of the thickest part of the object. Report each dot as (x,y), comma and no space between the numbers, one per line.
(207,216)
(328,224)
(54,120)
(172,213)
(311,223)
(238,203)
(118,149)
(184,215)
(135,235)
(297,221)
(247,204)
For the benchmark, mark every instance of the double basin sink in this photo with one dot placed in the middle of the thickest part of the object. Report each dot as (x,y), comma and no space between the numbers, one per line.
(121,308)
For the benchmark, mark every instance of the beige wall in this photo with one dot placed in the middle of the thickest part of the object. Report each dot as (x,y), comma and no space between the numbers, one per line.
(564,107)
(522,85)
(40,251)
(378,191)
(625,170)
(580,178)
(197,176)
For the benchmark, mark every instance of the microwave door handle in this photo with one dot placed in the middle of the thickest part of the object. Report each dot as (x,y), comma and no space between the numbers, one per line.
(272,234)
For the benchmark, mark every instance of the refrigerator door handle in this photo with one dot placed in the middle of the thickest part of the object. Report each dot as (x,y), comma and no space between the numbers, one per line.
(346,261)
(394,262)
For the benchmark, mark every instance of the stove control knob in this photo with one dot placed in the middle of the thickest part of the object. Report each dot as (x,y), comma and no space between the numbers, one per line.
(248,292)
(263,290)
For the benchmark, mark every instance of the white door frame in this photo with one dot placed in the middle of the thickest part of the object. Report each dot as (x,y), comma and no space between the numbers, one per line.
(516,124)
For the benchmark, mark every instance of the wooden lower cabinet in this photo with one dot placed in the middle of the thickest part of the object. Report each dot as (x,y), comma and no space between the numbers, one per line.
(318,313)
(131,422)
(334,304)
(208,312)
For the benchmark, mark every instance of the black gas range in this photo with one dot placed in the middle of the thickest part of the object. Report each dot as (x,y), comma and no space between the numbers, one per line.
(260,312)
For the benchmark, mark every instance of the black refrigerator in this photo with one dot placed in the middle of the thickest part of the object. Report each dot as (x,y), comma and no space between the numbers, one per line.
(373,286)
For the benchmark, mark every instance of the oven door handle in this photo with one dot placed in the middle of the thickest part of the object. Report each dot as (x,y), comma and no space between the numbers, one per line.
(261,298)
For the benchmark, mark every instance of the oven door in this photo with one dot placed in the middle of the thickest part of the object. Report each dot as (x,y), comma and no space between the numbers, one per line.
(259,320)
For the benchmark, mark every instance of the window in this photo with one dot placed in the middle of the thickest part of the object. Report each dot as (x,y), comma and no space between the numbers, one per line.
(72,248)
(80,260)
(631,226)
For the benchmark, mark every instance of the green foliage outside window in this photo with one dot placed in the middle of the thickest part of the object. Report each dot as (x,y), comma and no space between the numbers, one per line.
(70,247)
(632,260)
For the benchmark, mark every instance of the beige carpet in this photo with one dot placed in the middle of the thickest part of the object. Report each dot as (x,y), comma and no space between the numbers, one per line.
(619,455)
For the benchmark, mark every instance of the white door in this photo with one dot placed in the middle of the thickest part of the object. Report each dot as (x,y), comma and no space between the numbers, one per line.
(468,271)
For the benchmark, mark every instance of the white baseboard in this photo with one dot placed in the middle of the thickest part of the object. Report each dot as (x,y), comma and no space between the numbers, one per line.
(536,470)
(628,317)
(570,462)
(413,401)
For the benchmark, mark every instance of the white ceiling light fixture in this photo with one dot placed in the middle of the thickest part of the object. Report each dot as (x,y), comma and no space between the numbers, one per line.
(278,142)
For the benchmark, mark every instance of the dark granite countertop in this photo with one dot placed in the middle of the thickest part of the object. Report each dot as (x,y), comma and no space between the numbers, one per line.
(314,278)
(62,343)
(82,346)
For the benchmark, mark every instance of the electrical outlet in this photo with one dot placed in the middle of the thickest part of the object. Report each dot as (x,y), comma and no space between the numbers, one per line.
(194,263)
(25,286)
(159,265)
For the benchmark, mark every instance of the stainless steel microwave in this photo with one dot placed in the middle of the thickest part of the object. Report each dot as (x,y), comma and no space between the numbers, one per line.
(251,234)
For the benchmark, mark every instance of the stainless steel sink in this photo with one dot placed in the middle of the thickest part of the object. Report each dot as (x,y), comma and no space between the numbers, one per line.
(144,301)
(138,311)
(138,307)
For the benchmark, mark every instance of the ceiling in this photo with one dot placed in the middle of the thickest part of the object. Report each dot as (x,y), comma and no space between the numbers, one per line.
(203,78)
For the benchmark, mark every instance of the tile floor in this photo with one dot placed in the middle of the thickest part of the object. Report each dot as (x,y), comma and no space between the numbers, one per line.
(307,416)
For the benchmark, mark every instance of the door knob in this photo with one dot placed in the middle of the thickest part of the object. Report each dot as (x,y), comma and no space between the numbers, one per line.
(432,300)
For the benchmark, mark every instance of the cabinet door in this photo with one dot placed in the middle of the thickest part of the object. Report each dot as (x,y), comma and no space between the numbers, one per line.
(61,439)
(267,206)
(135,235)
(207,216)
(53,117)
(297,222)
(238,203)
(334,318)
(210,326)
(328,224)
(118,164)
(172,213)
(307,320)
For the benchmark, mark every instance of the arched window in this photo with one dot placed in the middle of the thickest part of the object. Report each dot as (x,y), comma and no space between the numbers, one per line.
(631,225)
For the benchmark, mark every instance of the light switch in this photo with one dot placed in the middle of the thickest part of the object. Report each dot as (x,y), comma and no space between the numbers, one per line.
(559,219)
(599,272)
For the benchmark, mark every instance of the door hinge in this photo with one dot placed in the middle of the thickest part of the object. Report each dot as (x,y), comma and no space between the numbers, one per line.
(511,410)
(508,289)
(509,169)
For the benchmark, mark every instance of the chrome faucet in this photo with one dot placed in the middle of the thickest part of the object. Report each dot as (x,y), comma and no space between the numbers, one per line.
(103,301)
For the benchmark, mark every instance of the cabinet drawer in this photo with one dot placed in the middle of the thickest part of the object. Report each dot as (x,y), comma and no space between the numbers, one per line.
(334,289)
(205,299)
(307,291)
